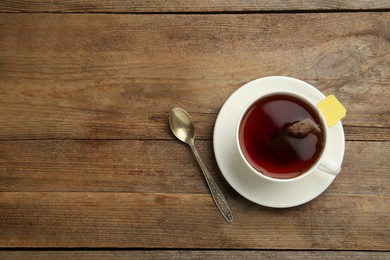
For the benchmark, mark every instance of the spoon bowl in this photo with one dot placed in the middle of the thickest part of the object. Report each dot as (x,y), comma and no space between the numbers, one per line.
(181,125)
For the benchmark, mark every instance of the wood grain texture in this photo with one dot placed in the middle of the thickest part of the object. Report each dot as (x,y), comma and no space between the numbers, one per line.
(159,220)
(151,6)
(86,156)
(90,76)
(157,166)
(192,254)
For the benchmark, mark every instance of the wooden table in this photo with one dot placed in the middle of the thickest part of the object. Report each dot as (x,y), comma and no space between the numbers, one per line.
(87,160)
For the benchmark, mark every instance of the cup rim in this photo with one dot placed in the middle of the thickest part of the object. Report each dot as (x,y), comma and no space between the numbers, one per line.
(313,106)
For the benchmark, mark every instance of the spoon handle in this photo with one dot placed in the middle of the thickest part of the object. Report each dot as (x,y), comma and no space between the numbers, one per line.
(217,195)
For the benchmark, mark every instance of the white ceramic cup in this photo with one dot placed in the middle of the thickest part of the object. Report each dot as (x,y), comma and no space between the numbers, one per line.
(323,164)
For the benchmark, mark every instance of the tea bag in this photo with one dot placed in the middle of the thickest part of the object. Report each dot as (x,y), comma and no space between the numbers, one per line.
(302,128)
(287,144)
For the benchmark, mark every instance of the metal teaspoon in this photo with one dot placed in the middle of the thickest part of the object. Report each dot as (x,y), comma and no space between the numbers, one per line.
(183,128)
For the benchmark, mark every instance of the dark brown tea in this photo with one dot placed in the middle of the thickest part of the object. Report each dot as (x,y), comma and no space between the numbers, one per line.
(271,138)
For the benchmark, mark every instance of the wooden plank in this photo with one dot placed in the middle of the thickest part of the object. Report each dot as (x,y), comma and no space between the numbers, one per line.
(160,220)
(362,133)
(191,254)
(93,6)
(157,166)
(90,76)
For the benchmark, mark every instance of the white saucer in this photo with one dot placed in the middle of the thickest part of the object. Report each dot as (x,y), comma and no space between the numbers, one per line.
(237,174)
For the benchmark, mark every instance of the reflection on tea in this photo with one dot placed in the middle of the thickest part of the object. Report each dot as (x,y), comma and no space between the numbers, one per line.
(281,136)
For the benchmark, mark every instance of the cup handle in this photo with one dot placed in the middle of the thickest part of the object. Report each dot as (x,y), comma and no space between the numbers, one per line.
(329,167)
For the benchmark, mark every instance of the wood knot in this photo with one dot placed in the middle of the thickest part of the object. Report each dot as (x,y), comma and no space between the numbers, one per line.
(339,64)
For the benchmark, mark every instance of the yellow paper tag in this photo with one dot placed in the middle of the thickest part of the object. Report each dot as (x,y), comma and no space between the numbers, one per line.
(332,110)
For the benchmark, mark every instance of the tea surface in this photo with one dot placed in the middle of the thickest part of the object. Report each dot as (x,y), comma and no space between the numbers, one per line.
(268,144)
